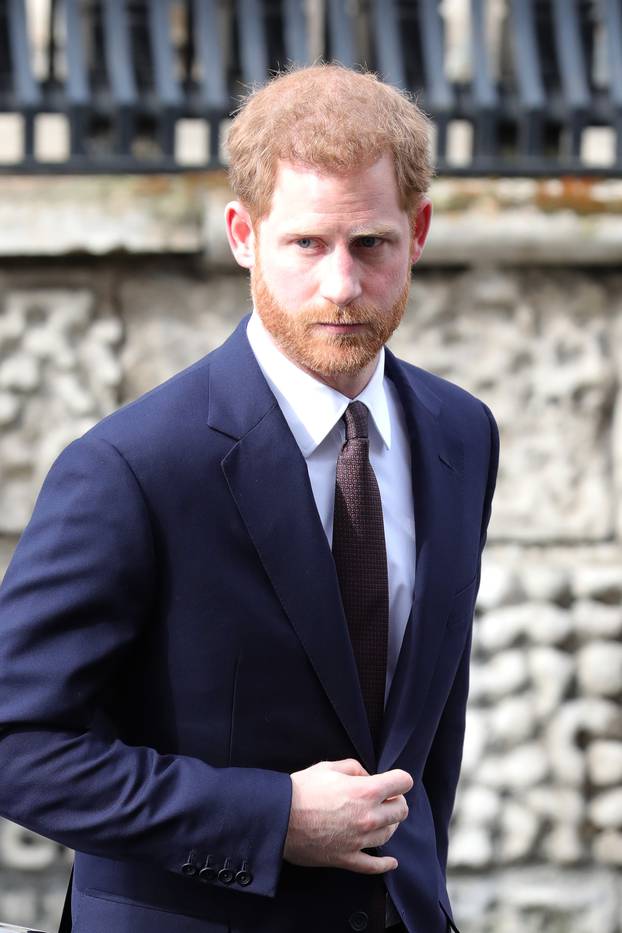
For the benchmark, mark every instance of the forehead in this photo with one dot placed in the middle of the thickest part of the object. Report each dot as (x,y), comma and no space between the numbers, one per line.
(304,195)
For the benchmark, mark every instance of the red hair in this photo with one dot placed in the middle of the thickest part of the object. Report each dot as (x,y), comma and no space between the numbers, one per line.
(332,119)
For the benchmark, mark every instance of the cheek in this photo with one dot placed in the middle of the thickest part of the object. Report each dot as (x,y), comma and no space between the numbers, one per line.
(290,286)
(385,283)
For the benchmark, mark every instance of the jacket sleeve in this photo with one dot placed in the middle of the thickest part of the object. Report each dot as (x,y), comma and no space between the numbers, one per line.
(442,769)
(74,600)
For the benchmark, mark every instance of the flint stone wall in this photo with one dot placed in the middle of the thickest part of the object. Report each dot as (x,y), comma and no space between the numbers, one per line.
(537,832)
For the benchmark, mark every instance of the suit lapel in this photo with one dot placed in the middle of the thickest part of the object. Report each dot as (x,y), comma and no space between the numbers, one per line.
(268,479)
(437,486)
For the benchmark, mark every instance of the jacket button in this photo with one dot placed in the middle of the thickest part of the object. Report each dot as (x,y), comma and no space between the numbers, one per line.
(189,868)
(208,872)
(358,920)
(244,876)
(226,873)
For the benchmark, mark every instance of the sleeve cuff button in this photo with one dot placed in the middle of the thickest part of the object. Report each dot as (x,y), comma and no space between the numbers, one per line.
(226,873)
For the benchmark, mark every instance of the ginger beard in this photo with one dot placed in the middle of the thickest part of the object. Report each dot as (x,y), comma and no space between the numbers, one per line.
(317,350)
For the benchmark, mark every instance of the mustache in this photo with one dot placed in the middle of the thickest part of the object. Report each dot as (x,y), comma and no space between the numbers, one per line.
(334,314)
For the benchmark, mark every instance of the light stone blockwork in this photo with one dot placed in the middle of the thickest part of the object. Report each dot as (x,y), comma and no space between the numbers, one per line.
(59,374)
(543,746)
(536,842)
(538,347)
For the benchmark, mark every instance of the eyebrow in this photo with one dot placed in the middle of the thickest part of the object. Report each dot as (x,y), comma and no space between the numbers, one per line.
(356,233)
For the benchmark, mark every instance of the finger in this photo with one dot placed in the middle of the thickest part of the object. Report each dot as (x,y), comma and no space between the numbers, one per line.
(390,783)
(394,810)
(379,836)
(384,815)
(369,864)
(347,766)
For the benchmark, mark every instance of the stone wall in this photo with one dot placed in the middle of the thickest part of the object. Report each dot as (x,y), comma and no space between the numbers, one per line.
(537,834)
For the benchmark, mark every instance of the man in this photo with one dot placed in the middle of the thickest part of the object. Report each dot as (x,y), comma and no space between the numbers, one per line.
(236,632)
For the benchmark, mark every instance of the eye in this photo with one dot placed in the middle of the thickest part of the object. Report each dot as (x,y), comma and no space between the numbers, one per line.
(305,242)
(368,242)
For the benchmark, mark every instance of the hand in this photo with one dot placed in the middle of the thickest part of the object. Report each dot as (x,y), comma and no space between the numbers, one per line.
(338,809)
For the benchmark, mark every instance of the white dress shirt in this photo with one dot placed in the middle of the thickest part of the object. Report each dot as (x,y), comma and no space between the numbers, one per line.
(313,412)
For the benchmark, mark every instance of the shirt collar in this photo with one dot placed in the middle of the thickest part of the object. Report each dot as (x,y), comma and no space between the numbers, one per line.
(310,407)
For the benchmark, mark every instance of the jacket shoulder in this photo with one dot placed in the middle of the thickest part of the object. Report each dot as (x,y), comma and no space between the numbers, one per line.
(468,425)
(166,411)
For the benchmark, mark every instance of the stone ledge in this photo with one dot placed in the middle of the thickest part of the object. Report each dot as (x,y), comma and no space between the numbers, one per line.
(99,215)
(524,236)
(510,221)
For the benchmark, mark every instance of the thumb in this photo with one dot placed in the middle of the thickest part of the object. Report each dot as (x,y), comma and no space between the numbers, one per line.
(347,766)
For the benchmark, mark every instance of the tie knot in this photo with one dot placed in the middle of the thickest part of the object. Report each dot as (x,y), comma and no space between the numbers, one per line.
(355,417)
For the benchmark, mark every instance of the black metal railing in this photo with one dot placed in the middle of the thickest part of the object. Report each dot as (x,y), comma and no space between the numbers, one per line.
(124,77)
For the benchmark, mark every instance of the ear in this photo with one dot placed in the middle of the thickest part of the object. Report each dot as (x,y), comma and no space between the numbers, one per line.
(240,234)
(419,226)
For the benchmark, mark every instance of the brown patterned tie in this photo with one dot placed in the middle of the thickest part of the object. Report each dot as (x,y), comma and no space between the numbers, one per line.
(361,560)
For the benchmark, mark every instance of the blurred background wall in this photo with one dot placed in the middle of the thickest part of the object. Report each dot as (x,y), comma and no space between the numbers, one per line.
(110,282)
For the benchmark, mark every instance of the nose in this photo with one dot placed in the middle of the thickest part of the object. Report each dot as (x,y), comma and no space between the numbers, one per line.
(340,281)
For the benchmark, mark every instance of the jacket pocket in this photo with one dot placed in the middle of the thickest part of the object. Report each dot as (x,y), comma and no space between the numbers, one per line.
(139,915)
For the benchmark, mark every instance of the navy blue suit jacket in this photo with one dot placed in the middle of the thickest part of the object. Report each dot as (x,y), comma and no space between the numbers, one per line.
(173,646)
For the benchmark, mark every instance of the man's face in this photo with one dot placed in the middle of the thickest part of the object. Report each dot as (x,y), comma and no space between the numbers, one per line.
(331,270)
